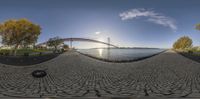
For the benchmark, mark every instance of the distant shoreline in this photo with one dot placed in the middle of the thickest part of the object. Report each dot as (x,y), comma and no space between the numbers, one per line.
(130,48)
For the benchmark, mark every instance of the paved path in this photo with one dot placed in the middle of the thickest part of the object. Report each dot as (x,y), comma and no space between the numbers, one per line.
(73,75)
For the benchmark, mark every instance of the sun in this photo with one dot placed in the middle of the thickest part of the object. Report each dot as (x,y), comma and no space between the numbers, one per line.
(97,33)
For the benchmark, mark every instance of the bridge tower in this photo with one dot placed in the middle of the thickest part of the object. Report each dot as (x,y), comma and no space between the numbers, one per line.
(108,42)
(71,46)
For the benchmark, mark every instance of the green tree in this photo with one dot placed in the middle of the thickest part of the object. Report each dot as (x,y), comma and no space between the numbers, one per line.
(183,43)
(20,32)
(55,42)
(198,26)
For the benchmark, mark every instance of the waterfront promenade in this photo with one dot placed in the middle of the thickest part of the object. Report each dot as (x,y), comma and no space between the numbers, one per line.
(74,75)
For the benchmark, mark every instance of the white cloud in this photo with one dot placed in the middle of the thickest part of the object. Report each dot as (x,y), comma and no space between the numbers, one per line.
(151,16)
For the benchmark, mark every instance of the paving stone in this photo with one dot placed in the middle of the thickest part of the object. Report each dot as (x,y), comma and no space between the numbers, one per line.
(74,75)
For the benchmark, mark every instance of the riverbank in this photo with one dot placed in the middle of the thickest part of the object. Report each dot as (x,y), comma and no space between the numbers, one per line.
(166,75)
(195,56)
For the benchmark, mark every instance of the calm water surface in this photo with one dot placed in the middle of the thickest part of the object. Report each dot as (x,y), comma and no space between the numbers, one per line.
(121,54)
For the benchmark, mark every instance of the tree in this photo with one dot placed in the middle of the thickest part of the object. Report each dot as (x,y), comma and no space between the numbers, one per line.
(175,45)
(183,43)
(20,32)
(55,42)
(198,26)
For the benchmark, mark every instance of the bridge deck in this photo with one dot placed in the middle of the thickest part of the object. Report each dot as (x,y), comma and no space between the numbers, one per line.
(82,39)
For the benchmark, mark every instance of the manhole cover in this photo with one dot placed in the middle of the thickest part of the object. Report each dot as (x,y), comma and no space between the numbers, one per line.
(39,73)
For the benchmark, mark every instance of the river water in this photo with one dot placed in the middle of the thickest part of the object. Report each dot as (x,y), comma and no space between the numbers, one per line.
(115,54)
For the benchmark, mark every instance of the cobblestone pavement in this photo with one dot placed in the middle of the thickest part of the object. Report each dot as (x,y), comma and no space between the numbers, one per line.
(73,75)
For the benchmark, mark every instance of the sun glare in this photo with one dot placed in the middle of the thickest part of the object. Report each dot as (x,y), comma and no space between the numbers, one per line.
(97,33)
(100,51)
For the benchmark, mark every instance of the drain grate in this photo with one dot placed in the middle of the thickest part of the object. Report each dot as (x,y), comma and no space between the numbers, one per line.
(39,73)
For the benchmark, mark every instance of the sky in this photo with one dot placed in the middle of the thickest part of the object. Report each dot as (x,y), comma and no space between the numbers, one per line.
(128,23)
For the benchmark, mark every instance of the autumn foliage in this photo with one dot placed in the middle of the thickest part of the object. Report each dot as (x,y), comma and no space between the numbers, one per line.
(20,32)
(183,43)
(198,26)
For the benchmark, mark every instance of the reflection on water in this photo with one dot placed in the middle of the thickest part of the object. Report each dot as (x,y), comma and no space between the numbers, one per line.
(121,54)
(100,52)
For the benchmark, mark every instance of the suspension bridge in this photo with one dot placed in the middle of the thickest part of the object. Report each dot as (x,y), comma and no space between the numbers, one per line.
(82,40)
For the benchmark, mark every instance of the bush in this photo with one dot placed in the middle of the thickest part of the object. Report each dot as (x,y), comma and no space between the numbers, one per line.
(198,26)
(190,52)
(4,51)
(62,50)
(6,54)
(26,54)
(22,52)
